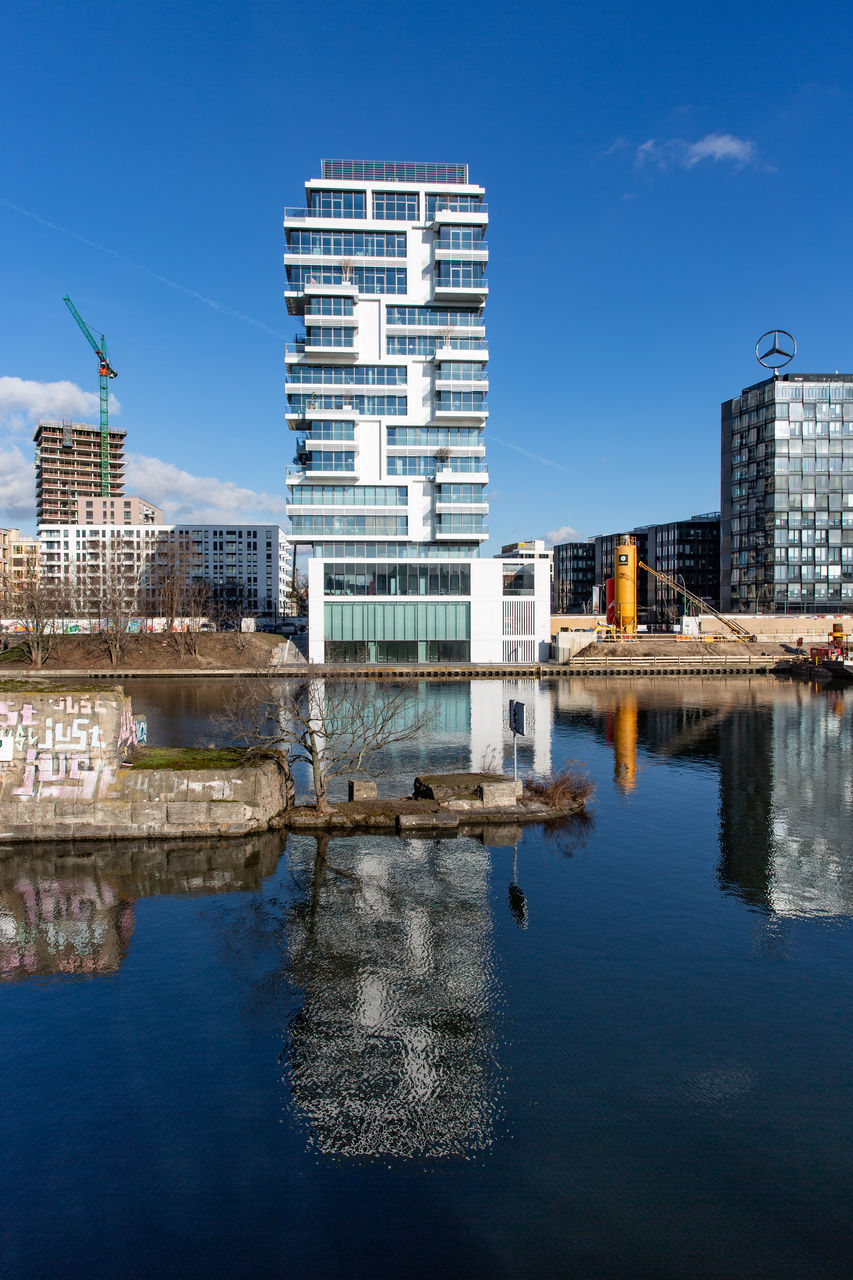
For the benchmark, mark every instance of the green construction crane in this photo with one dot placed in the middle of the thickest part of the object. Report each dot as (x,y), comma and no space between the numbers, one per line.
(99,346)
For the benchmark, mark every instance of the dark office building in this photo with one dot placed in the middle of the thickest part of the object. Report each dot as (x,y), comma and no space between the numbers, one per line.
(574,577)
(787,495)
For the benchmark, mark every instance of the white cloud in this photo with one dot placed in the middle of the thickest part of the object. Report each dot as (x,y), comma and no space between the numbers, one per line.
(17,487)
(23,401)
(685,155)
(564,534)
(186,497)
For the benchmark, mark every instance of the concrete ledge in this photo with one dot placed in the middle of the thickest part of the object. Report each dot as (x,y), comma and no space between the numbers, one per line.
(440,820)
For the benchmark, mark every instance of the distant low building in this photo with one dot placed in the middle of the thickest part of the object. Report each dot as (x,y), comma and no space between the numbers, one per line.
(574,577)
(245,568)
(115,510)
(686,550)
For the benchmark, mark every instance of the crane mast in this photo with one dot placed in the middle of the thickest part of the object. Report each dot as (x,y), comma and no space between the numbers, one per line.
(105,372)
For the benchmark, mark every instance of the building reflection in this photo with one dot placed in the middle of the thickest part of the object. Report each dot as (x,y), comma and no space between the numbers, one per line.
(392,1051)
(64,911)
(786,803)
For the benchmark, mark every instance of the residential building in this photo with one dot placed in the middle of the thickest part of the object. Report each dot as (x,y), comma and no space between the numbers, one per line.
(787,495)
(70,464)
(246,567)
(574,577)
(115,510)
(387,394)
(19,558)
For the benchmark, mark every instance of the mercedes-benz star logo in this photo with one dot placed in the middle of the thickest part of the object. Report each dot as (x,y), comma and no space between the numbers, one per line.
(775,349)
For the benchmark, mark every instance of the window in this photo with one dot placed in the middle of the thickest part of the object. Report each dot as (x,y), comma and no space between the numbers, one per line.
(456,204)
(339,204)
(324,337)
(369,405)
(395,579)
(330,307)
(425,464)
(460,493)
(435,317)
(331,430)
(461,371)
(425,344)
(360,375)
(348,244)
(401,206)
(440,437)
(365,279)
(350,524)
(461,238)
(454,274)
(349,495)
(460,401)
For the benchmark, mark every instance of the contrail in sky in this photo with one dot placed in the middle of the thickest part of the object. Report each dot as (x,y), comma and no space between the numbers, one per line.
(537,457)
(172,284)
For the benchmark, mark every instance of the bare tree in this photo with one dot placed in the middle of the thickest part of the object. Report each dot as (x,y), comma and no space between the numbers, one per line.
(332,727)
(111,590)
(183,596)
(39,605)
(299,592)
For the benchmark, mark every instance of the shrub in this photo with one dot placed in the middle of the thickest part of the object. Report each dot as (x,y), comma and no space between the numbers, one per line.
(564,788)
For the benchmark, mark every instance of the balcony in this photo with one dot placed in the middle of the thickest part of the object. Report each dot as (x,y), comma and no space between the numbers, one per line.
(448,211)
(472,253)
(461,384)
(296,295)
(446,413)
(300,215)
(444,352)
(304,350)
(444,535)
(457,291)
(447,474)
(462,508)
(295,418)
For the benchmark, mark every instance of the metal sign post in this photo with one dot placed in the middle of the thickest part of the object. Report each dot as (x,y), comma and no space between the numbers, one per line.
(516,724)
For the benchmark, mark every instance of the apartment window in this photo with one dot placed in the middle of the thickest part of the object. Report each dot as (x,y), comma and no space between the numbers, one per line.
(390,406)
(323,337)
(440,437)
(349,495)
(365,279)
(435,317)
(401,206)
(339,204)
(349,244)
(461,371)
(464,522)
(460,493)
(460,401)
(457,204)
(460,238)
(330,460)
(424,464)
(363,375)
(360,525)
(330,307)
(395,579)
(455,274)
(331,430)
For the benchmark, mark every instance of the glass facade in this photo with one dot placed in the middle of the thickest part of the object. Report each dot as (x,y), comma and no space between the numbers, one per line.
(787,481)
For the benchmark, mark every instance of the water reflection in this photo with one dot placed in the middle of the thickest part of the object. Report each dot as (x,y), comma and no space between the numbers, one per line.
(392,1052)
(67,910)
(786,802)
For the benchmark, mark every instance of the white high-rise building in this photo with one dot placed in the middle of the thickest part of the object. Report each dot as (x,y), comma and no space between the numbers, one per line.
(387,392)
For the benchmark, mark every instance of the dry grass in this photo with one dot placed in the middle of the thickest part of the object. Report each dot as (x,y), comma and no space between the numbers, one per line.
(566,788)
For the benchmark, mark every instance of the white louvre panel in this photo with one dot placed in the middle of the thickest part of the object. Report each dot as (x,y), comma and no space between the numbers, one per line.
(519,651)
(518,617)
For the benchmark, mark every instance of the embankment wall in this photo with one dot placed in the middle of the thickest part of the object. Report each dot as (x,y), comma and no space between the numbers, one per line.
(63,776)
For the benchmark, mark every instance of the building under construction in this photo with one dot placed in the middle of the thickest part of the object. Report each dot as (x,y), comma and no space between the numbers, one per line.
(69,467)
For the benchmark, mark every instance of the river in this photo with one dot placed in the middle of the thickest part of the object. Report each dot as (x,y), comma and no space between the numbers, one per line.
(617,1049)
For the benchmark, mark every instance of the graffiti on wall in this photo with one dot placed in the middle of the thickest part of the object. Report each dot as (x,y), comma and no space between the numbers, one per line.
(62,747)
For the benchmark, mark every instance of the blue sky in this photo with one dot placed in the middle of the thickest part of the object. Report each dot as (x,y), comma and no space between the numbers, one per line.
(665,182)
